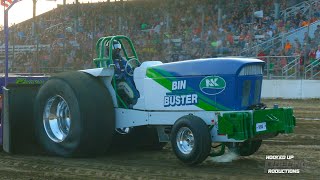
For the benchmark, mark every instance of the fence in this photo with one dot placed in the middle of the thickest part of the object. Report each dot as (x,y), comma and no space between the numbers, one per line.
(290,67)
(303,7)
(280,40)
(312,71)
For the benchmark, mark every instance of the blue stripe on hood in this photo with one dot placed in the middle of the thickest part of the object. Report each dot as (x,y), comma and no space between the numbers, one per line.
(209,66)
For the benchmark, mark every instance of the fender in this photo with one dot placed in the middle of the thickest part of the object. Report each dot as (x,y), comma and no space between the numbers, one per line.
(100,72)
(106,74)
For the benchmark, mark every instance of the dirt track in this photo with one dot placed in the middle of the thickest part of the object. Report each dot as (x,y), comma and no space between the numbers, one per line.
(304,144)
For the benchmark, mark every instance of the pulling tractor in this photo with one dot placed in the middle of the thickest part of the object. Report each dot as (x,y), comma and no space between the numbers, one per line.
(190,104)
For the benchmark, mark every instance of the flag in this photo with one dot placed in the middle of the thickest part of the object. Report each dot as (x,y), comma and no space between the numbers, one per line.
(3,3)
(7,3)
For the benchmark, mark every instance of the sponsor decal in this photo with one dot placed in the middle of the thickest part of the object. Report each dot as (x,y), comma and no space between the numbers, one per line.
(180,100)
(28,81)
(179,95)
(203,102)
(212,85)
(261,126)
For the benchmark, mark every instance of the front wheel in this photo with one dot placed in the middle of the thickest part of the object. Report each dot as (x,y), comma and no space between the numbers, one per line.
(191,140)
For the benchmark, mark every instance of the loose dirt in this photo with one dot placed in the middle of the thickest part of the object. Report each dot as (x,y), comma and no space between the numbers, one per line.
(304,144)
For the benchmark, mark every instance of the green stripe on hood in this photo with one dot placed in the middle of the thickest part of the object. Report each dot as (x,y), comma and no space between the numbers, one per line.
(204,102)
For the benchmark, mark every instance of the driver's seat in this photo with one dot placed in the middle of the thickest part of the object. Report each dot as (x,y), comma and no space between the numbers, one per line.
(127,90)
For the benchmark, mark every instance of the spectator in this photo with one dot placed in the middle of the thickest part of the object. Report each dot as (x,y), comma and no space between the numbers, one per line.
(317,34)
(312,56)
(283,60)
(287,47)
(297,43)
(269,33)
(306,38)
(148,28)
(262,55)
(318,52)
(305,53)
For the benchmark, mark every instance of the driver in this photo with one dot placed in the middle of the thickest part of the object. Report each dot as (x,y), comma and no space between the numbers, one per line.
(119,61)
(125,83)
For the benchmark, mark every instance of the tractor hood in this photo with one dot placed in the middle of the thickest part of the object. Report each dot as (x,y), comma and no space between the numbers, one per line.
(202,84)
(203,67)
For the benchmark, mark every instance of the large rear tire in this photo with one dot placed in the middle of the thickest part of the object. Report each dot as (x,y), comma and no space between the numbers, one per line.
(191,140)
(74,115)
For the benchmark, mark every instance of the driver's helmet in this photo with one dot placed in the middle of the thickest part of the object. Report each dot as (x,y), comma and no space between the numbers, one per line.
(116,45)
(116,49)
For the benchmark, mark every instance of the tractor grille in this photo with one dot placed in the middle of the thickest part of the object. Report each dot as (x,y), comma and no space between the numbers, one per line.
(251,70)
(246,93)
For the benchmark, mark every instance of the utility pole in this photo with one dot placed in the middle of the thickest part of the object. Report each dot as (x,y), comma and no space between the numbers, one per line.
(13,41)
(310,9)
(77,15)
(219,13)
(34,8)
(277,9)
(6,34)
(35,29)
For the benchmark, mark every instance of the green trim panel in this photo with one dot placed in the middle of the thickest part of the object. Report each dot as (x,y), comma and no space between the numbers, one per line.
(277,120)
(235,125)
(246,125)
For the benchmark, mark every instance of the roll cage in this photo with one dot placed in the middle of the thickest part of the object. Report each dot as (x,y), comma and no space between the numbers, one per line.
(102,60)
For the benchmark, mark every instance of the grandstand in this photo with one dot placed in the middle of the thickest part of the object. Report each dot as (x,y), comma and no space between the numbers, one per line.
(173,30)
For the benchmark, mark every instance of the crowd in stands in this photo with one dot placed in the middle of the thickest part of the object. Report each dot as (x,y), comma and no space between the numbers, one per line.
(168,30)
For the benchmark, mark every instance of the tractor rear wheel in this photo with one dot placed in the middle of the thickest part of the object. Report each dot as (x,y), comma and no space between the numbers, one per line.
(74,115)
(191,139)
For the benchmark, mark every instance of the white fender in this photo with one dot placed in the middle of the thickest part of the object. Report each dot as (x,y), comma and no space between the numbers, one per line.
(139,76)
(106,75)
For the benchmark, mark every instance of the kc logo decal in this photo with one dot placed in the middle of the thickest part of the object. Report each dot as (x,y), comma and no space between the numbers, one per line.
(212,85)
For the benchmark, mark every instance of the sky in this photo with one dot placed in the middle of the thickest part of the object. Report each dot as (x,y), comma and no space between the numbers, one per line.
(22,10)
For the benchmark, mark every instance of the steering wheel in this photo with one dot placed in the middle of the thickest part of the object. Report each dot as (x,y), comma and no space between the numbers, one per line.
(132,63)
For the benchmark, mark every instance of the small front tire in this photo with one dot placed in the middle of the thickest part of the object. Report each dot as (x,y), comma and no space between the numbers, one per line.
(191,140)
